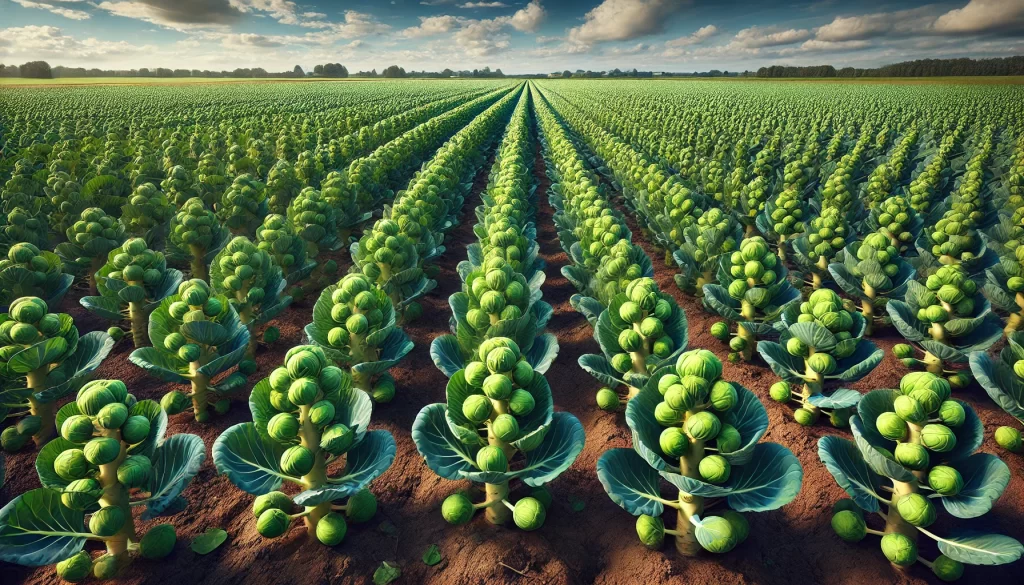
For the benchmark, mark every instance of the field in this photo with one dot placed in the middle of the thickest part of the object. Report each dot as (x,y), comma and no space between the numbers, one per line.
(720,214)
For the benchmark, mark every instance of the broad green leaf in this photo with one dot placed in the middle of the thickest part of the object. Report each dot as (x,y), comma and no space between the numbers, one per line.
(999,381)
(985,478)
(92,349)
(447,354)
(851,472)
(974,548)
(630,482)
(157,426)
(543,352)
(250,461)
(432,556)
(786,366)
(386,573)
(44,463)
(36,529)
(562,443)
(175,463)
(905,321)
(598,367)
(160,364)
(860,363)
(363,463)
(208,541)
(841,398)
(646,429)
(876,460)
(813,335)
(771,480)
(443,452)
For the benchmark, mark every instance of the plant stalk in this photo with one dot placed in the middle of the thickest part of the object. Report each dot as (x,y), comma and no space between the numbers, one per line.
(309,438)
(496,492)
(200,393)
(36,382)
(198,263)
(140,324)
(115,494)
(689,505)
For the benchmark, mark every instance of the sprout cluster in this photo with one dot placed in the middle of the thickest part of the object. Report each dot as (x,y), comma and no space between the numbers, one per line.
(248,277)
(822,341)
(946,318)
(354,322)
(389,259)
(196,236)
(243,206)
(30,272)
(826,236)
(313,218)
(146,214)
(90,240)
(702,245)
(922,441)
(196,334)
(306,417)
(873,272)
(130,284)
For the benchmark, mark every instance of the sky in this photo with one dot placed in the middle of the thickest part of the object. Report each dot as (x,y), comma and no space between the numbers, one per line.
(524,36)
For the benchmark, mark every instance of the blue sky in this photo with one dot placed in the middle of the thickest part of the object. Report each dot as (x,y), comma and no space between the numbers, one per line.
(514,35)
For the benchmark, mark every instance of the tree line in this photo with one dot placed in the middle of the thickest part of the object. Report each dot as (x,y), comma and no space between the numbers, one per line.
(918,68)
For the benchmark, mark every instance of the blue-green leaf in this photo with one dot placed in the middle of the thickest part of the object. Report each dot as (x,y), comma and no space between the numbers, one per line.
(562,443)
(786,366)
(447,354)
(974,548)
(846,464)
(440,448)
(36,529)
(250,461)
(363,463)
(985,478)
(630,482)
(175,463)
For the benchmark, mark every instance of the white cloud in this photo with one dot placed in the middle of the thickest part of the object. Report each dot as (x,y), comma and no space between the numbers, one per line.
(433,25)
(40,42)
(314,15)
(482,38)
(283,11)
(622,20)
(756,37)
(529,18)
(247,40)
(483,5)
(982,16)
(702,34)
(59,10)
(175,13)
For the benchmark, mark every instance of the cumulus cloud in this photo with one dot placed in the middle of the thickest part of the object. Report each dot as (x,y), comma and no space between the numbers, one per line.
(176,13)
(59,10)
(483,5)
(433,25)
(757,37)
(35,42)
(248,40)
(622,20)
(983,16)
(529,18)
(703,33)
(482,38)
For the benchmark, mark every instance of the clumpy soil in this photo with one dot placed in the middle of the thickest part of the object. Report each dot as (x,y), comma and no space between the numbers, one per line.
(586,539)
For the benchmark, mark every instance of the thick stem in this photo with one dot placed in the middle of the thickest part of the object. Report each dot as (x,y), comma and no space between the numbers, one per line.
(689,505)
(36,381)
(782,250)
(894,523)
(751,342)
(94,267)
(813,382)
(1015,321)
(867,308)
(115,494)
(140,324)
(815,280)
(361,381)
(200,391)
(932,364)
(198,263)
(498,514)
(309,437)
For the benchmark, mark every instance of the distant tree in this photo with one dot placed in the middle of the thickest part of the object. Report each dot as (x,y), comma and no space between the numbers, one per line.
(498,73)
(447,72)
(298,72)
(36,70)
(393,71)
(566,74)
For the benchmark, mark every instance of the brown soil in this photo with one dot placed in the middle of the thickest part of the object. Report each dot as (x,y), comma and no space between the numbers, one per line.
(596,544)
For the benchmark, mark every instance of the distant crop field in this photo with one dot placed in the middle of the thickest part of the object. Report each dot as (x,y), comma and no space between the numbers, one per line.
(18,81)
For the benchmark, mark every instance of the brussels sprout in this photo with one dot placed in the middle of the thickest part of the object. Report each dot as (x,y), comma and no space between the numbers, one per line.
(703,426)
(297,461)
(951,413)
(720,330)
(491,458)
(158,542)
(607,400)
(505,428)
(71,464)
(891,426)
(899,549)
(909,409)
(1009,438)
(337,439)
(497,386)
(849,525)
(271,500)
(361,506)
(715,469)
(806,417)
(938,438)
(106,566)
(723,396)
(174,402)
(477,408)
(699,362)
(102,450)
(912,456)
(947,569)
(529,514)
(780,392)
(75,568)
(272,523)
(331,529)
(728,439)
(77,428)
(674,442)
(726,537)
(651,531)
(81,494)
(107,521)
(134,471)
(945,480)
(283,427)
(916,509)
(457,509)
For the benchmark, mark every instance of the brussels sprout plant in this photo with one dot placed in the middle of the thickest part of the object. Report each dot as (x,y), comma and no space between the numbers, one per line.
(42,359)
(703,245)
(111,456)
(354,324)
(753,291)
(1004,283)
(30,272)
(821,342)
(813,250)
(251,281)
(90,240)
(924,443)
(243,206)
(196,237)
(306,417)
(946,319)
(1003,380)
(278,238)
(872,272)
(146,214)
(640,330)
(391,261)
(498,425)
(131,284)
(196,335)
(701,434)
